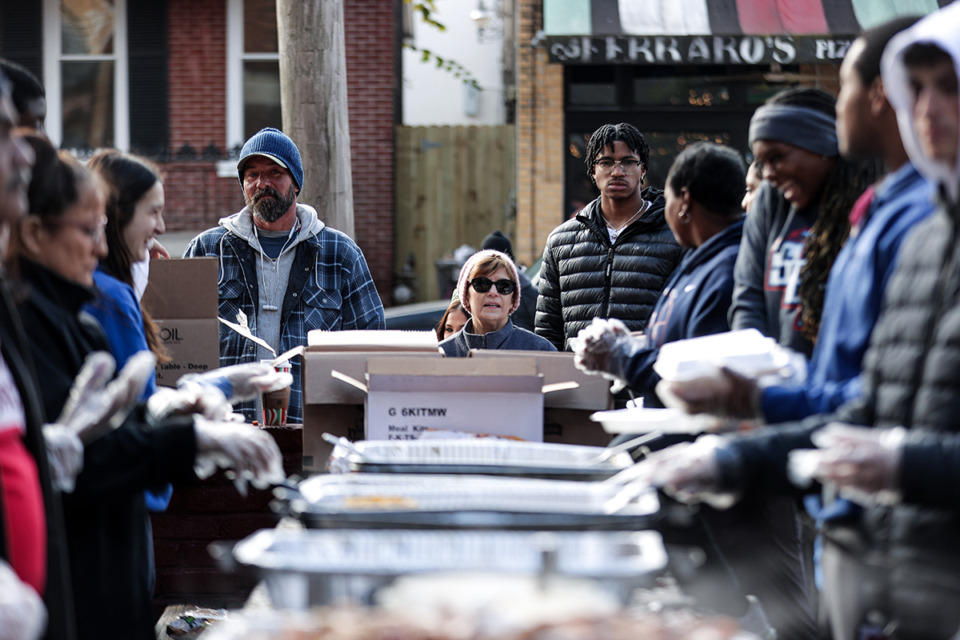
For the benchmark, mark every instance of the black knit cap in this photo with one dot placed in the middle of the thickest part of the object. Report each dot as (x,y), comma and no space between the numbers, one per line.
(498,242)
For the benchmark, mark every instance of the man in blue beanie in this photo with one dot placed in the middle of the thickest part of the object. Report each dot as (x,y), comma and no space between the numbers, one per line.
(282,271)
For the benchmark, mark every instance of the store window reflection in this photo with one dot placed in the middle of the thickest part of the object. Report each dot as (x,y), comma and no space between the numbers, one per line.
(87,68)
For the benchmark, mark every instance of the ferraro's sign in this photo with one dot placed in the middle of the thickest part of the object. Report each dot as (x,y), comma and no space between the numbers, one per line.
(782,49)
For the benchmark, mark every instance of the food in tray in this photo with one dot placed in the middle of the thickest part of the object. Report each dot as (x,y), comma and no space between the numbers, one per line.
(348,623)
(379,503)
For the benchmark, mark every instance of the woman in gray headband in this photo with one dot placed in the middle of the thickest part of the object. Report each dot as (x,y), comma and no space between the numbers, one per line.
(800,217)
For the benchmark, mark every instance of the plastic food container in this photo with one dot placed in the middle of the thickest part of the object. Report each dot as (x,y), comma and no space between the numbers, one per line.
(304,568)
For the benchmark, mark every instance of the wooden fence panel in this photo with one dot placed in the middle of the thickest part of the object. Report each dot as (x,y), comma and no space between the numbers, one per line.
(454,186)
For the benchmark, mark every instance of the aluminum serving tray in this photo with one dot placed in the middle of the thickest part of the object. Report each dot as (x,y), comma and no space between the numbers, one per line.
(312,567)
(406,501)
(484,456)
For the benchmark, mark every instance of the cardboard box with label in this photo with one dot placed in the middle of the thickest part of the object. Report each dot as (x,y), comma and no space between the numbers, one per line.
(566,415)
(181,296)
(518,393)
(334,406)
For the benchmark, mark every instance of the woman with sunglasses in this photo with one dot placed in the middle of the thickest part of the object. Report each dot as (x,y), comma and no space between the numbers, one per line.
(489,289)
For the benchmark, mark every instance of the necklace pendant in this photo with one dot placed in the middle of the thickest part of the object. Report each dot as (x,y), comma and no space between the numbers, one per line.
(270,307)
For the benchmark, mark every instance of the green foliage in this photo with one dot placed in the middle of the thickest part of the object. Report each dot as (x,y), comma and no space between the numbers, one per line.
(426,10)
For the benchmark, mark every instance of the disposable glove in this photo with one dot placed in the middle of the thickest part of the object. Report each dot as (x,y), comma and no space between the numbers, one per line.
(689,472)
(241,382)
(863,463)
(95,406)
(188,398)
(726,393)
(249,451)
(604,347)
(22,614)
(65,455)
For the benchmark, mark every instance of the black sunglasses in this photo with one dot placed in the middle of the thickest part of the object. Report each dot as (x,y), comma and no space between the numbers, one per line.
(482,285)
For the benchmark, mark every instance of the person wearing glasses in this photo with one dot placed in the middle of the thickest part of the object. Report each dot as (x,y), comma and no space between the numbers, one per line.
(281,268)
(489,288)
(613,258)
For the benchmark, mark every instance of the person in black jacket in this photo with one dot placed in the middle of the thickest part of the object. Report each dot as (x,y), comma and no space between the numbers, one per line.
(53,254)
(42,564)
(613,259)
(892,570)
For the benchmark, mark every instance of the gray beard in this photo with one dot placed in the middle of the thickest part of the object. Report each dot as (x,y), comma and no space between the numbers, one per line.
(270,209)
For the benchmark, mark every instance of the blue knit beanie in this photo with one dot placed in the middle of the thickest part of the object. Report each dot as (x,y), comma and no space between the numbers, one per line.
(273,144)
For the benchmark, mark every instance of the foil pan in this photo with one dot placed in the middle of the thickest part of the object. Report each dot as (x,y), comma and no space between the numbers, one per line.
(466,502)
(481,456)
(303,568)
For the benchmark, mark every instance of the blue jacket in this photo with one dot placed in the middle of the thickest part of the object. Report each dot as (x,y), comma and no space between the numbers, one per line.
(117,310)
(510,337)
(694,303)
(851,307)
(330,289)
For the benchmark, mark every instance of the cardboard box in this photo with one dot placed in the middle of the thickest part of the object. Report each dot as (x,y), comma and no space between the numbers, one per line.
(332,405)
(410,395)
(566,416)
(194,347)
(591,393)
(181,296)
(337,407)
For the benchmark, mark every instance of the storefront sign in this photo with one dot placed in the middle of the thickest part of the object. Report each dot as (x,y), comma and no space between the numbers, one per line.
(782,49)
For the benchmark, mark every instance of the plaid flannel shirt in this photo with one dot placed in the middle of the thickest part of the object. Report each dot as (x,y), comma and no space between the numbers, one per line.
(330,288)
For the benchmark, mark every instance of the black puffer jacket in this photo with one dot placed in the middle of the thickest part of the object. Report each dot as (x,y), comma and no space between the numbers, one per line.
(584,276)
(911,378)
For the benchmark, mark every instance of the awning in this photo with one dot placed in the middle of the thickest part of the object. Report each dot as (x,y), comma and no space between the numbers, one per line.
(713,31)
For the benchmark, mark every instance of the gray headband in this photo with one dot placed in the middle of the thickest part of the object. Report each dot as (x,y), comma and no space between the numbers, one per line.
(802,127)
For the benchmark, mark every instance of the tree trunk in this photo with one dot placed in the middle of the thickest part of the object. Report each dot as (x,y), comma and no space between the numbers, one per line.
(313,95)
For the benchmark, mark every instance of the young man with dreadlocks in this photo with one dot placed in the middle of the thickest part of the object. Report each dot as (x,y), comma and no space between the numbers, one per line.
(615,256)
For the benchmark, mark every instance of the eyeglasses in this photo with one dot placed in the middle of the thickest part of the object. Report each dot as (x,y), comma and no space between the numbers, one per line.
(504,287)
(94,233)
(627,165)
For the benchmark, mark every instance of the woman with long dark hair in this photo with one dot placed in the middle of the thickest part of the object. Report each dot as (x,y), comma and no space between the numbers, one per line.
(800,217)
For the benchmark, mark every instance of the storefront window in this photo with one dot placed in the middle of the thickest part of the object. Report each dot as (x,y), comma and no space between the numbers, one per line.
(673,107)
(87,72)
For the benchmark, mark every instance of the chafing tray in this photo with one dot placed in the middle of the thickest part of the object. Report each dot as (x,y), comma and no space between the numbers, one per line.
(465,502)
(310,567)
(482,456)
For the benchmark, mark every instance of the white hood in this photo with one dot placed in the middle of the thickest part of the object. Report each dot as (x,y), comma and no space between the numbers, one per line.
(941,28)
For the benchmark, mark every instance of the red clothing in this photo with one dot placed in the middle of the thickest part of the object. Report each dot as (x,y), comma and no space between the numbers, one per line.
(20,494)
(782,16)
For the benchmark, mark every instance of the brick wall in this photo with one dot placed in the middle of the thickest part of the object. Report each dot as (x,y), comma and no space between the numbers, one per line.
(207,512)
(540,152)
(373,68)
(198,43)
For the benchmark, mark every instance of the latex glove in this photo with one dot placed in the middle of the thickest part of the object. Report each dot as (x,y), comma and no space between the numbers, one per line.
(65,455)
(192,397)
(863,463)
(727,394)
(249,451)
(95,406)
(22,614)
(605,347)
(689,472)
(241,382)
